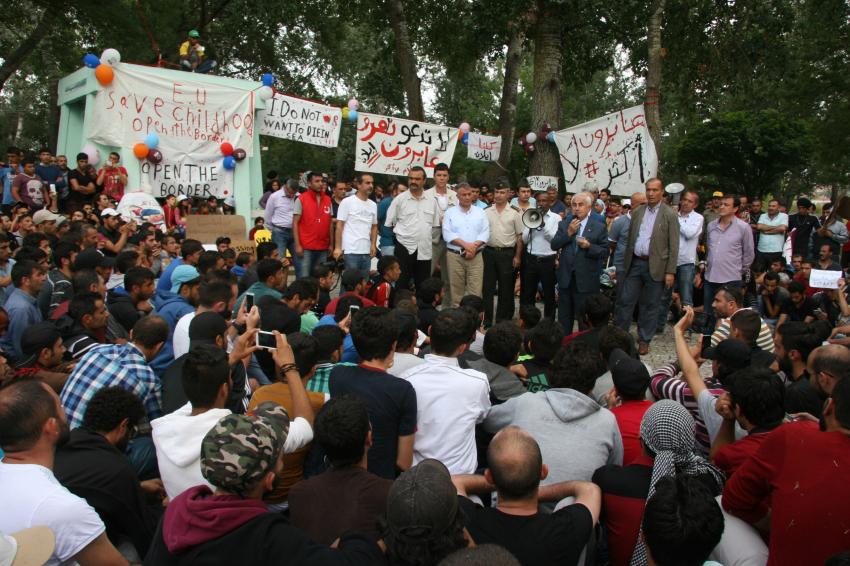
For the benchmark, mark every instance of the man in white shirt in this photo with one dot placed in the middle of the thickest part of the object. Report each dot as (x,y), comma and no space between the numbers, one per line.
(32,425)
(450,400)
(539,258)
(771,228)
(465,231)
(445,199)
(690,230)
(412,216)
(278,218)
(356,233)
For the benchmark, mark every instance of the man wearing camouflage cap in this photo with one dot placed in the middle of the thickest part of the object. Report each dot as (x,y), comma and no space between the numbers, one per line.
(242,457)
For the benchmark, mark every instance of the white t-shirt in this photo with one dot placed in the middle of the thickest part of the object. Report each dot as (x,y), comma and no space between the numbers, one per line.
(180,341)
(31,496)
(359,217)
(772,243)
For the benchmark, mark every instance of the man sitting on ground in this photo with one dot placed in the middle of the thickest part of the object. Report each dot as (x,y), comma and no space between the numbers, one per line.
(501,347)
(404,357)
(43,352)
(353,282)
(124,301)
(627,400)
(329,341)
(542,343)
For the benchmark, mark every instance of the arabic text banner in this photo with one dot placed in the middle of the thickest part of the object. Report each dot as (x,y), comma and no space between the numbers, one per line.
(483,148)
(300,120)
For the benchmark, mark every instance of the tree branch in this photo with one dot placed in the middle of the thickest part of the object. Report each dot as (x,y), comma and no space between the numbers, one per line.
(17,57)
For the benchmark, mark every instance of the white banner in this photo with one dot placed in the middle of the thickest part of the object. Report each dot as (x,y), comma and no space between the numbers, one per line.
(300,120)
(204,179)
(191,119)
(140,208)
(393,146)
(541,182)
(483,148)
(615,151)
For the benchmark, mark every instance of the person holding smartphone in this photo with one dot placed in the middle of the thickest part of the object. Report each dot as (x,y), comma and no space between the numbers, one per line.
(112,177)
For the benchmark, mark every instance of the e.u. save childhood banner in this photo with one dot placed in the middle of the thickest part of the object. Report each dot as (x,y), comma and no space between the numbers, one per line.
(615,151)
(191,119)
(393,145)
(292,118)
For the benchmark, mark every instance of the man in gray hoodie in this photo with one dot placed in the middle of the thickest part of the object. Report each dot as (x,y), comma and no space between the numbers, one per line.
(575,434)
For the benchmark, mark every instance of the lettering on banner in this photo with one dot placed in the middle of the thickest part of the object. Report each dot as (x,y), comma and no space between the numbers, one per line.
(393,145)
(191,179)
(300,120)
(539,183)
(615,150)
(483,148)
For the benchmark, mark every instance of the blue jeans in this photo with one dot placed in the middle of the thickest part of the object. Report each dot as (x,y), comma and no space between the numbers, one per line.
(142,456)
(639,287)
(282,237)
(684,284)
(361,262)
(311,259)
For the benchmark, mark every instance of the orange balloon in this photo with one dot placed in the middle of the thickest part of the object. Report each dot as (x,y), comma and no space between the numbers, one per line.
(104,74)
(140,150)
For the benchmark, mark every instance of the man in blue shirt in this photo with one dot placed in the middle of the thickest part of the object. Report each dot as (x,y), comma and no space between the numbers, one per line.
(51,174)
(466,231)
(7,175)
(22,305)
(190,253)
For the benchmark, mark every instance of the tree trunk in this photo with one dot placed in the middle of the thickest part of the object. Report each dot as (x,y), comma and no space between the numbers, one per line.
(547,90)
(16,58)
(507,107)
(653,74)
(406,60)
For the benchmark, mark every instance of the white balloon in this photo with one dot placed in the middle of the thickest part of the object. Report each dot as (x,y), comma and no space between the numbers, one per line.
(265,92)
(110,56)
(530,137)
(92,152)
(464,127)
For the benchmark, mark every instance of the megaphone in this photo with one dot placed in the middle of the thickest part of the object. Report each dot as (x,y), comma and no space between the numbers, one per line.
(674,188)
(532,218)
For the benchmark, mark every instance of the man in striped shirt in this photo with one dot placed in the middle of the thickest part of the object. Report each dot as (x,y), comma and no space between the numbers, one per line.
(728,301)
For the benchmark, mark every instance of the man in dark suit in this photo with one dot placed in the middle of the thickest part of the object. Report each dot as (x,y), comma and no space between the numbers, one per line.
(583,241)
(649,264)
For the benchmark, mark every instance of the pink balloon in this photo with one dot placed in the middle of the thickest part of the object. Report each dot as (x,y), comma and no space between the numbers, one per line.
(464,127)
(353,104)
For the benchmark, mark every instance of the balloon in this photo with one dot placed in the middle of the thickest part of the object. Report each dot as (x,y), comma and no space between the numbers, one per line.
(90,60)
(239,154)
(353,104)
(345,112)
(229,162)
(550,137)
(152,140)
(226,148)
(265,92)
(140,150)
(352,115)
(110,56)
(154,156)
(465,139)
(104,74)
(268,79)
(93,154)
(464,127)
(530,137)
(529,147)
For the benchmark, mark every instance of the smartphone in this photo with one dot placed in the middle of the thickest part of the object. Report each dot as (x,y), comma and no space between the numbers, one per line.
(266,340)
(352,309)
(249,301)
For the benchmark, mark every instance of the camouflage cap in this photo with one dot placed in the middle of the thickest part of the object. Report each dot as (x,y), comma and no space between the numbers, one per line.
(241,449)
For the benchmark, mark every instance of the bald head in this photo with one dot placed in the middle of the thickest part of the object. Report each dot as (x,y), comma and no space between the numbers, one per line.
(826,365)
(515,463)
(638,199)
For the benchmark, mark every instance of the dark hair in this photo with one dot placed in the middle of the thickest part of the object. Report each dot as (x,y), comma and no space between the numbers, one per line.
(313,174)
(577,366)
(150,330)
(265,250)
(736,199)
(219,276)
(29,253)
(516,478)
(733,294)
(748,323)
(305,349)
(682,522)
(543,340)
(33,240)
(268,268)
(208,261)
(344,304)
(386,263)
(530,316)
(329,339)
(23,269)
(83,279)
(799,336)
(342,426)
(502,343)
(429,289)
(598,309)
(840,397)
(830,361)
(305,288)
(359,177)
(137,276)
(408,331)
(760,394)
(399,295)
(771,276)
(243,259)
(205,369)
(321,270)
(474,303)
(126,260)
(480,555)
(111,405)
(229,253)
(438,167)
(424,550)
(374,330)
(612,337)
(212,292)
(83,304)
(189,247)
(451,329)
(25,405)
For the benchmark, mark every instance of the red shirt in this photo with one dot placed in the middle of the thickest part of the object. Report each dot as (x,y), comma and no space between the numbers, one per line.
(628,416)
(803,474)
(331,308)
(730,457)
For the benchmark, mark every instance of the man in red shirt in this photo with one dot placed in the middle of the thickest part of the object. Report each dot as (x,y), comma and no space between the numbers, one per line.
(627,400)
(353,282)
(113,178)
(800,472)
(756,402)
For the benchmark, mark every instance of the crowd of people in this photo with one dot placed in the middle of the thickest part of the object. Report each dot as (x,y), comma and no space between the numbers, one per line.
(367,389)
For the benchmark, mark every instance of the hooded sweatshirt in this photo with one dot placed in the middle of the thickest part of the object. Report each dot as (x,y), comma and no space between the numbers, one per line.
(200,528)
(575,434)
(122,308)
(177,438)
(171,307)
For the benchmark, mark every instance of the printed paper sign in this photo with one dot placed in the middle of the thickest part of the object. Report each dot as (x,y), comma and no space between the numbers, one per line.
(190,118)
(541,182)
(483,148)
(823,279)
(393,146)
(141,207)
(300,120)
(615,151)
(188,178)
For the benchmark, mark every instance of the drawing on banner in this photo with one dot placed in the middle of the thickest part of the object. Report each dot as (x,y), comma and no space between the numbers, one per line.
(393,146)
(191,179)
(616,151)
(300,120)
(141,207)
(541,182)
(483,148)
(191,119)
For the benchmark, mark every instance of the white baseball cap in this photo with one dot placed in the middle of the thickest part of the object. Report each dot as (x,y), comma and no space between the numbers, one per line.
(109,212)
(29,547)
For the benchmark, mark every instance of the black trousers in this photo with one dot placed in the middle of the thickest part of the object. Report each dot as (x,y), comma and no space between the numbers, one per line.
(412,268)
(499,273)
(539,270)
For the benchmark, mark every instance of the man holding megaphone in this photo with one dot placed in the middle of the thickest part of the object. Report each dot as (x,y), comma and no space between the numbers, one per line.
(539,258)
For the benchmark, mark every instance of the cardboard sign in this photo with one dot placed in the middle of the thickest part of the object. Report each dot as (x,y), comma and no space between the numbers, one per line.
(483,148)
(541,182)
(824,279)
(300,120)
(206,228)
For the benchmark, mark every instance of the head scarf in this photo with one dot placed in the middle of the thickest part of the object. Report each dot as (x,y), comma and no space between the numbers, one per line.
(667,429)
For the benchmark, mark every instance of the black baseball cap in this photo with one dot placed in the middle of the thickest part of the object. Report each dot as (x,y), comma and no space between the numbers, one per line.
(422,502)
(630,376)
(91,258)
(731,352)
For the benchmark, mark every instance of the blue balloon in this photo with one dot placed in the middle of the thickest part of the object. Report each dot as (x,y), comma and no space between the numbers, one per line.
(152,140)
(551,137)
(352,115)
(91,60)
(229,162)
(465,139)
(268,79)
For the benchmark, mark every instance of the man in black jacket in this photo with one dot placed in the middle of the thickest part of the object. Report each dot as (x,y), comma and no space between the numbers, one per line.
(123,301)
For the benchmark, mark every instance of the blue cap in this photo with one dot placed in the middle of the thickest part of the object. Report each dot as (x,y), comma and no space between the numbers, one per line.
(183,274)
